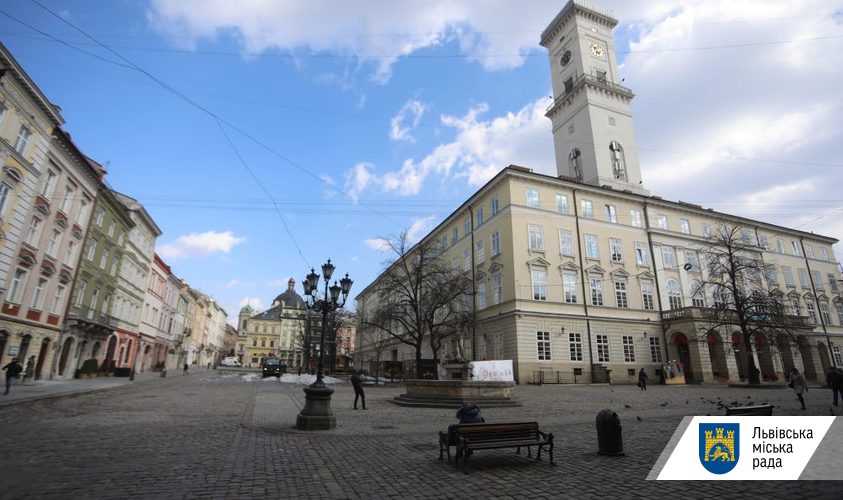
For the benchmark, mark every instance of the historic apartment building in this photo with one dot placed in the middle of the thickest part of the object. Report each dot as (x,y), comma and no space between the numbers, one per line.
(586,276)
(279,331)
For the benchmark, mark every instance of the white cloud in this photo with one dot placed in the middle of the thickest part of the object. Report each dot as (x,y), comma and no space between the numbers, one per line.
(232,283)
(358,179)
(254,302)
(200,245)
(330,185)
(379,244)
(398,131)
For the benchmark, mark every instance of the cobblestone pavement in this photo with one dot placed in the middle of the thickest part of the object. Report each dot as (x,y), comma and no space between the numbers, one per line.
(215,435)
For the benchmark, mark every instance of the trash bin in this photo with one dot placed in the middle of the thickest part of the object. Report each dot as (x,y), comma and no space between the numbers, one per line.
(609,438)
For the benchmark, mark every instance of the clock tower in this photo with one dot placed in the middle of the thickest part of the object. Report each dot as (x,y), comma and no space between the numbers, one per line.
(592,119)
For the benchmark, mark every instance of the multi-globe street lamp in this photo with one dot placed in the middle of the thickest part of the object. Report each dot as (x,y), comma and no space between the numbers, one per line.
(316,414)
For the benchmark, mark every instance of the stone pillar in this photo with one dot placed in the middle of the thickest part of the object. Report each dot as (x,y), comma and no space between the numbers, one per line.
(701,361)
(732,365)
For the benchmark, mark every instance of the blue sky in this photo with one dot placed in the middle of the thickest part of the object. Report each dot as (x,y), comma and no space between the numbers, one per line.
(407,107)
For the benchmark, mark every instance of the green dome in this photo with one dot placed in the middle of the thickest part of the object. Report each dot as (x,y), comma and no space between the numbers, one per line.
(247,309)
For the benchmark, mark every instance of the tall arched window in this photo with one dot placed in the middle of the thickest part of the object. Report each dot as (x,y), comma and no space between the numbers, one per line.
(674,294)
(575,163)
(697,294)
(618,163)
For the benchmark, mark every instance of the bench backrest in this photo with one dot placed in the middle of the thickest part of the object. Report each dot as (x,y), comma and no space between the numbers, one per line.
(500,431)
(762,410)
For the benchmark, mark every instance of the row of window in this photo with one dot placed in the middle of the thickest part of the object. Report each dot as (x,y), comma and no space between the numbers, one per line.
(15,292)
(480,218)
(24,134)
(544,351)
(804,278)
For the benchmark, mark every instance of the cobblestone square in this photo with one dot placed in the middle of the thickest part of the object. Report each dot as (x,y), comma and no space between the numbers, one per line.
(216,435)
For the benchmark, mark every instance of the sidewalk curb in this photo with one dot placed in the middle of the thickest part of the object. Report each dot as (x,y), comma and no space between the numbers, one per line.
(40,397)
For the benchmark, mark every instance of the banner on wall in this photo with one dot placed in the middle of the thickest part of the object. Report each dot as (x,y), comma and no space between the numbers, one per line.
(492,371)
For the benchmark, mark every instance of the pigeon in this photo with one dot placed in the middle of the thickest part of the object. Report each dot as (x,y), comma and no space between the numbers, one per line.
(702,397)
(686,401)
(718,397)
(639,418)
(627,406)
(747,397)
(663,404)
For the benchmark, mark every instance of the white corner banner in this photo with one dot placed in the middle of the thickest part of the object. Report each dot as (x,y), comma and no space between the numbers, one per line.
(753,448)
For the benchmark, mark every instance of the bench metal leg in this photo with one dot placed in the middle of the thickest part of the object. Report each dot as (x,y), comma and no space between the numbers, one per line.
(550,448)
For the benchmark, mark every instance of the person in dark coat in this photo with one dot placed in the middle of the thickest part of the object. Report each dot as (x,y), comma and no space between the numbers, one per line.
(13,369)
(642,379)
(357,383)
(186,367)
(834,379)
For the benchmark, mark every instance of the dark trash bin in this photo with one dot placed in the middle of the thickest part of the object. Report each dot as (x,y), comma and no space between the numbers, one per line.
(609,438)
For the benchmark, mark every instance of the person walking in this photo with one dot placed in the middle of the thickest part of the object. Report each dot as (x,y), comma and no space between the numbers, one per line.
(13,369)
(642,379)
(186,367)
(799,385)
(834,379)
(357,383)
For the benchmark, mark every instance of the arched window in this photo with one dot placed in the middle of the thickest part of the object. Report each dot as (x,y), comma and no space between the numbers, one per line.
(697,294)
(618,163)
(575,163)
(674,295)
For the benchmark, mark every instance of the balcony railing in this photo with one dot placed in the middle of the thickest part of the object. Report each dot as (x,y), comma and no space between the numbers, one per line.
(591,80)
(708,313)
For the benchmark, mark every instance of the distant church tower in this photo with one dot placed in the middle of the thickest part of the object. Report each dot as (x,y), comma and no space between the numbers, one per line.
(592,119)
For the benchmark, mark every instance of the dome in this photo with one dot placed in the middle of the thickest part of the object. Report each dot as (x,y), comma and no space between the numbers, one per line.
(290,299)
(247,309)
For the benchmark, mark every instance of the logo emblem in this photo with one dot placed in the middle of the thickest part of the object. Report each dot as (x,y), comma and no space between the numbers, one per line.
(719,447)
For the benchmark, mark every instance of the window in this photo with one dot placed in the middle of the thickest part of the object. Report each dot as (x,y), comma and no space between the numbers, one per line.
(539,279)
(33,232)
(812,310)
(566,242)
(618,163)
(764,242)
(779,246)
(80,292)
(57,300)
(112,224)
(616,249)
(70,256)
(575,346)
(804,280)
(91,248)
(49,184)
(5,191)
(121,238)
(825,313)
(818,279)
(481,295)
(587,209)
(82,213)
(536,236)
(832,282)
(104,257)
(668,258)
(611,213)
(655,350)
(15,289)
(493,208)
(596,284)
(22,140)
(561,203)
(64,206)
(787,272)
(647,295)
(685,226)
(839,307)
(575,164)
(254,344)
(602,348)
(796,306)
(569,286)
(706,230)
(480,216)
(543,346)
(642,257)
(92,305)
(620,294)
(444,242)
(674,294)
(746,236)
(661,221)
(496,243)
(52,245)
(592,247)
(691,258)
(697,294)
(795,248)
(824,253)
(455,236)
(38,294)
(809,250)
(114,265)
(481,252)
(838,356)
(99,216)
(635,217)
(533,198)
(497,288)
(628,349)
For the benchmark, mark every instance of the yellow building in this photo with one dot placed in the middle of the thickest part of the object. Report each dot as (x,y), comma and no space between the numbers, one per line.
(278,331)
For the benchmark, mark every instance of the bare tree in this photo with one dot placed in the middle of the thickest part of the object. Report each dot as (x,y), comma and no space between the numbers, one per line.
(415,297)
(736,283)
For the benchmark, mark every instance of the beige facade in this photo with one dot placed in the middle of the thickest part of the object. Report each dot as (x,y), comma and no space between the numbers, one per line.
(278,331)
(586,277)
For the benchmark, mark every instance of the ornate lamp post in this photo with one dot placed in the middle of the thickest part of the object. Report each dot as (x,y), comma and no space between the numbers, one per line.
(316,414)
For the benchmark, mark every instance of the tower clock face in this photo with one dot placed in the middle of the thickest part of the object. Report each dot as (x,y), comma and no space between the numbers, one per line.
(566,58)
(597,50)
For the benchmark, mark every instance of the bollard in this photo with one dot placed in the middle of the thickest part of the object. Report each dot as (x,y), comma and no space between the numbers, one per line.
(609,438)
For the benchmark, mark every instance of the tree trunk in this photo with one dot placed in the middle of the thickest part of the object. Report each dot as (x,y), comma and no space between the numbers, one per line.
(418,362)
(752,371)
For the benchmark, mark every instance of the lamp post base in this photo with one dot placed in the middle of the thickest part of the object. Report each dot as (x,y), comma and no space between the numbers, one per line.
(316,414)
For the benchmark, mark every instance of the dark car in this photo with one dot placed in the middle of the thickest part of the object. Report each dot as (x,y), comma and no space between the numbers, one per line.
(273,367)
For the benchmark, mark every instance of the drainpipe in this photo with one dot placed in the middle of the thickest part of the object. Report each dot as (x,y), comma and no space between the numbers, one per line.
(583,279)
(473,288)
(656,275)
(817,302)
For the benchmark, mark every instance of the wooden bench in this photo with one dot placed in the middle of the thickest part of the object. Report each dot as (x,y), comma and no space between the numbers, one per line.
(468,438)
(757,410)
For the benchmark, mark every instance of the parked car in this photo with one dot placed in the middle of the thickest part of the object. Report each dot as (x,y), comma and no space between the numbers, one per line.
(230,361)
(273,367)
